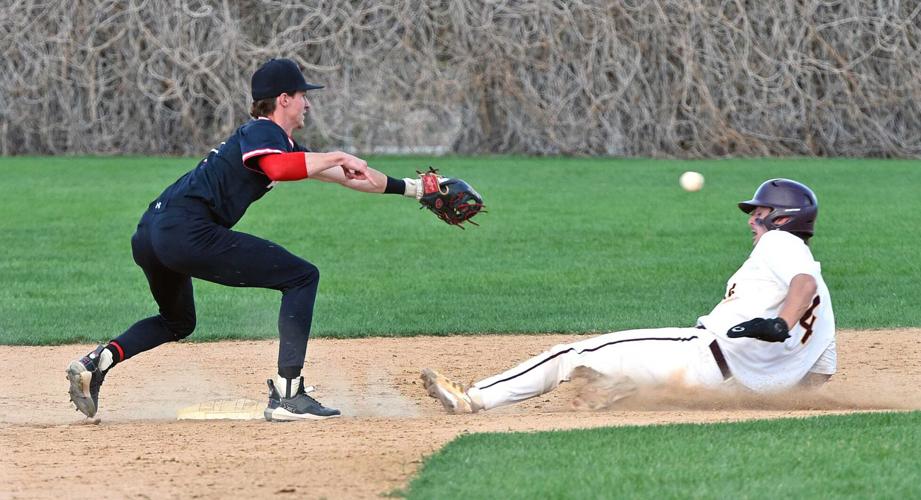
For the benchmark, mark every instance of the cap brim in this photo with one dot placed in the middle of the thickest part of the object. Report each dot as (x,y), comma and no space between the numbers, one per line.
(311,86)
(747,206)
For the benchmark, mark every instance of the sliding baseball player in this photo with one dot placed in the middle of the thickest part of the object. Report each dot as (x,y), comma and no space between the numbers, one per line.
(774,328)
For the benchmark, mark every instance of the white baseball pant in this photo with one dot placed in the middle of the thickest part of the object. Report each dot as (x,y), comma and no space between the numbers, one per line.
(647,357)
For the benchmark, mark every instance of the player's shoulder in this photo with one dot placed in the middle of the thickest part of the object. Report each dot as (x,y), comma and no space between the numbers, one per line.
(262,134)
(300,148)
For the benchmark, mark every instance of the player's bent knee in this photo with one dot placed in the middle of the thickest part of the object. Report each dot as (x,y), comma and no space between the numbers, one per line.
(308,275)
(181,329)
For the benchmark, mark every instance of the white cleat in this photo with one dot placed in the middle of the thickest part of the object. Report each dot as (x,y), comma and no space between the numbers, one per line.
(451,394)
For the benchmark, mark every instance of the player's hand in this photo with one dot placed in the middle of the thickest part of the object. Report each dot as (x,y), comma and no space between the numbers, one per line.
(356,169)
(767,330)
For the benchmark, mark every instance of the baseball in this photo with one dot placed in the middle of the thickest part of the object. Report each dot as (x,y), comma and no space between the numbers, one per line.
(691,181)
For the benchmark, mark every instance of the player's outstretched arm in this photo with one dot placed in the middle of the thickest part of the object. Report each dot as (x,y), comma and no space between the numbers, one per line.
(452,200)
(373,181)
(345,169)
(332,167)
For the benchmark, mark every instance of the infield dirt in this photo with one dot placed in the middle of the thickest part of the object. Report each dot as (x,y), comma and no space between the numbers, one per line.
(139,450)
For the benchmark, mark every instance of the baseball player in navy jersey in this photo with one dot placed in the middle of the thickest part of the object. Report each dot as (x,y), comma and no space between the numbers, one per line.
(774,328)
(186,233)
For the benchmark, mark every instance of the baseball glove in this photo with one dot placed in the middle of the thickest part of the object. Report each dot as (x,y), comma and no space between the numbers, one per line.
(452,200)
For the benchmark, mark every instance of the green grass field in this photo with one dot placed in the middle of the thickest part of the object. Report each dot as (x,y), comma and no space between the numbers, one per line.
(853,456)
(568,245)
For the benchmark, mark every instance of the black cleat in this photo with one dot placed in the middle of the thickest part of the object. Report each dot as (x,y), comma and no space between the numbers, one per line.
(85,380)
(298,407)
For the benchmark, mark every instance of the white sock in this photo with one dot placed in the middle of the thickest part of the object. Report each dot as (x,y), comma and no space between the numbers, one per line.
(105,360)
(286,386)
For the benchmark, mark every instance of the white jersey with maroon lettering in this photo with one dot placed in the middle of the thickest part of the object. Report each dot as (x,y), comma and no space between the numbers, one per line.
(758,290)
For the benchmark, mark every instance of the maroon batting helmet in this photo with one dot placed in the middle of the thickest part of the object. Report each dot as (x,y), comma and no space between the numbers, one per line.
(786,198)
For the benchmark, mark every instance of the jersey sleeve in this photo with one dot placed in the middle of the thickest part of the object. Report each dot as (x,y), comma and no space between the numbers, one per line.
(785,255)
(262,137)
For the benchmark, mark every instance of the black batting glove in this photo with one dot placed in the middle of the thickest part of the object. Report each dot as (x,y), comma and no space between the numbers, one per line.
(767,330)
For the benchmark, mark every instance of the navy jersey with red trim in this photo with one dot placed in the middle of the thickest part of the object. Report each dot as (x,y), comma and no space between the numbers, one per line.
(228,180)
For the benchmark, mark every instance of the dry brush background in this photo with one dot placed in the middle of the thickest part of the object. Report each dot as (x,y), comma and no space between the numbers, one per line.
(682,78)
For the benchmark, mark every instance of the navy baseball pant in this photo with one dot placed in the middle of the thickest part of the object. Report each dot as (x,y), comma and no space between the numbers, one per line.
(182,241)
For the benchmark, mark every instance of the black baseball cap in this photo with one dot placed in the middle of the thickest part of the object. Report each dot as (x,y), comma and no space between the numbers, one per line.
(278,76)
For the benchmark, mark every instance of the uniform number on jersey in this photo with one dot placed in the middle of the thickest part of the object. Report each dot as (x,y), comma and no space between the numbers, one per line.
(808,319)
(731,291)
